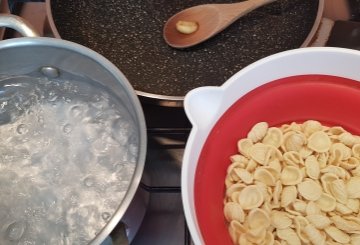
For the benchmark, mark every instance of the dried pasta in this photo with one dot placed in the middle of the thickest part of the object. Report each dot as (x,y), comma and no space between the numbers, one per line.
(295,184)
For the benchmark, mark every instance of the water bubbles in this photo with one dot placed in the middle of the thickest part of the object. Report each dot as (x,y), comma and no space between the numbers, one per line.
(40,119)
(45,142)
(3,106)
(101,104)
(100,146)
(47,149)
(121,124)
(123,131)
(76,111)
(67,128)
(118,167)
(67,99)
(83,211)
(24,140)
(52,96)
(89,181)
(133,149)
(28,242)
(49,71)
(18,106)
(22,129)
(15,231)
(106,216)
(91,130)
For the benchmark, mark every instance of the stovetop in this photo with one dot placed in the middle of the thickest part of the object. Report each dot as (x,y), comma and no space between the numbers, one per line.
(164,221)
(157,203)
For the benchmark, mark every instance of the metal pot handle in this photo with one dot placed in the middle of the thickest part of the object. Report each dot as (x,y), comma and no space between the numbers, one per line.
(19,24)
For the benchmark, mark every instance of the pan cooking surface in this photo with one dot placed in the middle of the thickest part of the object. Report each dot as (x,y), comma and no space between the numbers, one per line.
(129,34)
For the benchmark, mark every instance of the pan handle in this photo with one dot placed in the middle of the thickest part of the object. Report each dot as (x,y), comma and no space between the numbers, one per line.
(19,24)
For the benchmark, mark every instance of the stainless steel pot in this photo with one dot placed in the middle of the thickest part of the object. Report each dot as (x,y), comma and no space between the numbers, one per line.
(51,56)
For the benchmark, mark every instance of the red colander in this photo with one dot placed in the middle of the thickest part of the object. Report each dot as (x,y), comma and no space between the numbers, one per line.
(293,86)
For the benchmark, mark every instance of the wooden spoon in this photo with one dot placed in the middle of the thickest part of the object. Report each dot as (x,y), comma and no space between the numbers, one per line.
(210,19)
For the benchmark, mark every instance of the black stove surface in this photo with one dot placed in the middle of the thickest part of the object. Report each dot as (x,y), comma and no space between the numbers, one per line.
(164,221)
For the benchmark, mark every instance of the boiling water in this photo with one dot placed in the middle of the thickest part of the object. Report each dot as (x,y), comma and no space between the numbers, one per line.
(67,155)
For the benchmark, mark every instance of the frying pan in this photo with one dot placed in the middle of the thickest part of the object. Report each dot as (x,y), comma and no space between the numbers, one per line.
(293,86)
(129,33)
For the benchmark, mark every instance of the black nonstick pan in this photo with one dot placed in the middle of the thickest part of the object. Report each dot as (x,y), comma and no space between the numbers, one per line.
(129,34)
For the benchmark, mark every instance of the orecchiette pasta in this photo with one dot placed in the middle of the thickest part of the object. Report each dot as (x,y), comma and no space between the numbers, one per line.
(258,132)
(294,184)
(274,137)
(319,221)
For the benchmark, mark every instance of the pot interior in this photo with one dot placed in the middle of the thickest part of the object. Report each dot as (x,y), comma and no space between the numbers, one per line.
(72,143)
